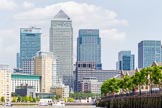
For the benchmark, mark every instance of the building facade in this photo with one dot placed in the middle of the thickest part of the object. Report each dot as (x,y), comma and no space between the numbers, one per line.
(91,84)
(88,69)
(60,90)
(18,60)
(5,83)
(148,52)
(44,67)
(28,66)
(30,43)
(125,60)
(89,46)
(61,44)
(24,79)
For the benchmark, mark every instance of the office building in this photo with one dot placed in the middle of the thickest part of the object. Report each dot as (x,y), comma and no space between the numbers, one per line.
(18,60)
(91,84)
(125,60)
(5,83)
(30,43)
(28,66)
(61,44)
(88,69)
(148,52)
(60,90)
(89,47)
(25,91)
(44,67)
(24,79)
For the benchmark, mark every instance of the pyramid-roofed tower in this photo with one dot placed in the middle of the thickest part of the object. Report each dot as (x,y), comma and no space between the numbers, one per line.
(61,15)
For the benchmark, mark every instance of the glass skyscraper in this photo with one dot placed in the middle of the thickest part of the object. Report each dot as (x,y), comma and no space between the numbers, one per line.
(89,47)
(30,43)
(148,52)
(125,60)
(61,44)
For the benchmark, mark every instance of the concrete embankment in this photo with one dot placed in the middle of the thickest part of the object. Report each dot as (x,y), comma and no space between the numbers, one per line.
(153,101)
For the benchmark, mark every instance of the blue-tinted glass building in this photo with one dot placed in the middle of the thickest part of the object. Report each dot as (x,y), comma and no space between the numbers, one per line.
(18,60)
(148,52)
(89,46)
(30,43)
(125,60)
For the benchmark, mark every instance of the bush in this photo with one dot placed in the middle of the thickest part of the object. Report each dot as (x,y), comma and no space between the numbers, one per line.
(70,100)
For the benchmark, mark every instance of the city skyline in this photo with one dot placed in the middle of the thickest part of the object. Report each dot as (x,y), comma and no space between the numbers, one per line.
(122,26)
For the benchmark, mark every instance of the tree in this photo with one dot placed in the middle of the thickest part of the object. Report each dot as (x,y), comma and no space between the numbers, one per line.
(34,100)
(19,99)
(70,100)
(2,99)
(110,86)
(53,98)
(14,99)
(37,99)
(30,99)
(26,98)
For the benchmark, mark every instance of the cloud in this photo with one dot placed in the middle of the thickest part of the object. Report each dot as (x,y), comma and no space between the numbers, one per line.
(7,5)
(9,40)
(113,34)
(83,15)
(27,5)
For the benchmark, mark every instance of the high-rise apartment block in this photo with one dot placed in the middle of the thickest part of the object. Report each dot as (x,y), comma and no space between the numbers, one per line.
(125,60)
(5,83)
(30,43)
(148,52)
(61,44)
(44,67)
(89,47)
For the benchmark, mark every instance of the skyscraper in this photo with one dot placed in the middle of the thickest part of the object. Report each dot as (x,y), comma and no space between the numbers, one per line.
(125,60)
(148,52)
(61,44)
(30,43)
(89,46)
(18,60)
(44,67)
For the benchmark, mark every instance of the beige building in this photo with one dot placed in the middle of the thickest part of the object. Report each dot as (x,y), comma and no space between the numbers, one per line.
(91,84)
(43,66)
(5,83)
(60,90)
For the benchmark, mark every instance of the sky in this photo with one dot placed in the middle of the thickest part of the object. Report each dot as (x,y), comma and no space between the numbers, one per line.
(122,24)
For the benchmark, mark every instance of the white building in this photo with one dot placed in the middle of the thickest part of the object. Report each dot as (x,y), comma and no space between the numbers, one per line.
(24,79)
(5,83)
(61,44)
(91,84)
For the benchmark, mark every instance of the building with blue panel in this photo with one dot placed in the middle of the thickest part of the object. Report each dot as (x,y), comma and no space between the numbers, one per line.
(89,46)
(125,60)
(30,43)
(148,52)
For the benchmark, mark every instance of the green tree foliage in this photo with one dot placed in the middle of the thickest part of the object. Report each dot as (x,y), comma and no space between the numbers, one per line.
(14,99)
(2,99)
(70,100)
(110,86)
(30,99)
(146,76)
(26,98)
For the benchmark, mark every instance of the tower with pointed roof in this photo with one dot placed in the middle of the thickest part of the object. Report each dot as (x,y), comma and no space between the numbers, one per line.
(61,44)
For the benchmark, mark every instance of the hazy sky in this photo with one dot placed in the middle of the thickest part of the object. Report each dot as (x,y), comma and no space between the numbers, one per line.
(122,24)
